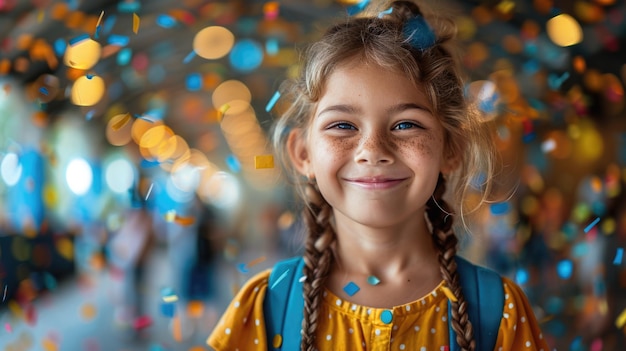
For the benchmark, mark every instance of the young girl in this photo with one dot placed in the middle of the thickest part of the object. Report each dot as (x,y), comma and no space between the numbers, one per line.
(376,129)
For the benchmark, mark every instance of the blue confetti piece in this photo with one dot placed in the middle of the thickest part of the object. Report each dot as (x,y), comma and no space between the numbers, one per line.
(564,269)
(168,309)
(419,34)
(500,208)
(351,288)
(108,24)
(124,56)
(357,8)
(128,7)
(194,82)
(96,35)
(233,163)
(166,21)
(618,256)
(271,46)
(59,47)
(272,101)
(373,280)
(43,90)
(120,40)
(189,57)
(521,276)
(242,268)
(78,39)
(555,82)
(592,224)
(90,114)
(388,11)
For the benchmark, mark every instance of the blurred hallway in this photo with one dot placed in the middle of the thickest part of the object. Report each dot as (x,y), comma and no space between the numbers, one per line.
(79,315)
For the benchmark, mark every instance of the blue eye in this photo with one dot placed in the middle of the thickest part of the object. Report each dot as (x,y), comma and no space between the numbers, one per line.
(343,126)
(406,125)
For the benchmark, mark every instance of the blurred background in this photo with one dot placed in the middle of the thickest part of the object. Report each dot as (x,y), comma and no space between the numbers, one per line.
(137,191)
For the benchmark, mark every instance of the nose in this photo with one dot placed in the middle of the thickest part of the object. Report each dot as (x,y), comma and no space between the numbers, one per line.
(375,148)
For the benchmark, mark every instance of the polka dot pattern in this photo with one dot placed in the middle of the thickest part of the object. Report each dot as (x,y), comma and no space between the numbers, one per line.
(418,325)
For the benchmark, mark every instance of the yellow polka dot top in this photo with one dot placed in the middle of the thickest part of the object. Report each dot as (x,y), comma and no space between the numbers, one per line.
(418,325)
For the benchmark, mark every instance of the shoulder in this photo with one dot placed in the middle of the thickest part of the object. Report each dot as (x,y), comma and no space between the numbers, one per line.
(519,328)
(242,325)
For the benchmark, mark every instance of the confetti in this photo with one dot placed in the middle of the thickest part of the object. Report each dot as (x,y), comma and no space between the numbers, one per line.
(621,320)
(242,268)
(351,288)
(263,161)
(449,293)
(277,341)
(302,279)
(189,57)
(618,256)
(357,8)
(222,111)
(592,224)
(142,322)
(119,40)
(564,268)
(282,276)
(388,11)
(184,221)
(4,295)
(168,309)
(149,191)
(7,327)
(136,21)
(97,33)
(373,280)
(123,120)
(272,101)
(170,216)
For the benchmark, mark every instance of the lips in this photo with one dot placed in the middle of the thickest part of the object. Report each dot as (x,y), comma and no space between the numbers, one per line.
(375,182)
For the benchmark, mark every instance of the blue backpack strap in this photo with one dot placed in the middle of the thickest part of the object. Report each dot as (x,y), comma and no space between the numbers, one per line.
(284,298)
(484,294)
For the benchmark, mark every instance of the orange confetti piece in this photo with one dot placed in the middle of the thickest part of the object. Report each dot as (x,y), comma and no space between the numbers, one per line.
(255,261)
(177,332)
(263,161)
(88,311)
(184,220)
(449,294)
(49,344)
(195,309)
(136,21)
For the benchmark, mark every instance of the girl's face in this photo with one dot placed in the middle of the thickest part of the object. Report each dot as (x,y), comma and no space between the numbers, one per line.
(374,146)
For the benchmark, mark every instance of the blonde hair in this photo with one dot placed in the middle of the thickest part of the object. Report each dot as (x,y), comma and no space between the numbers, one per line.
(381,40)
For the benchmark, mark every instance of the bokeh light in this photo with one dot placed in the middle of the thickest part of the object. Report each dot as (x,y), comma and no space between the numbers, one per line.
(79,176)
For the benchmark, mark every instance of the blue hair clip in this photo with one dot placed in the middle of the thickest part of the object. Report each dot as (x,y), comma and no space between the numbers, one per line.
(419,34)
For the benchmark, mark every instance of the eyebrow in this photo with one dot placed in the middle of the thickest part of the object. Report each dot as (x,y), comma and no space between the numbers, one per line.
(395,109)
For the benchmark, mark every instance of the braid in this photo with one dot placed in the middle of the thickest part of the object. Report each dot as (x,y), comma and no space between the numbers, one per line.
(317,261)
(446,241)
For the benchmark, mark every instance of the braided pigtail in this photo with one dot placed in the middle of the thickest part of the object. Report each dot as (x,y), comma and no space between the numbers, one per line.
(439,215)
(317,260)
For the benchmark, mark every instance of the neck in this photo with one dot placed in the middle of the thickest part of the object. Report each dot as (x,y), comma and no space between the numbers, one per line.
(390,253)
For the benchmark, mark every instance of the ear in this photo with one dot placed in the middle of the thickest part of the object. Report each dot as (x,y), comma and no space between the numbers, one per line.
(298,151)
(451,160)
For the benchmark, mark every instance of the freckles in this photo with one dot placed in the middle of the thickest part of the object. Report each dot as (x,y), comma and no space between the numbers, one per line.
(413,147)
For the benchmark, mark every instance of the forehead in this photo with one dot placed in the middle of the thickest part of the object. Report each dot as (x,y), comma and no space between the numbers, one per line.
(367,82)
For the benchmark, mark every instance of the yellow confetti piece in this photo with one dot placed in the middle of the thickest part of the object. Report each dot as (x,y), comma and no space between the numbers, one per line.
(222,111)
(121,122)
(263,161)
(277,341)
(170,298)
(136,22)
(449,294)
(40,16)
(621,319)
(49,345)
(170,216)
(88,311)
(100,19)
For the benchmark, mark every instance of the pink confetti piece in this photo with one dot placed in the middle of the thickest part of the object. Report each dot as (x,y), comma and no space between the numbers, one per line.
(8,328)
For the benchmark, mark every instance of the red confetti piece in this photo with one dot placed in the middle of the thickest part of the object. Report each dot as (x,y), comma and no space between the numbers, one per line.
(142,322)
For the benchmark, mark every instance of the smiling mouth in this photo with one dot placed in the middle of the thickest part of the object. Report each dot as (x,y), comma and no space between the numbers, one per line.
(376,183)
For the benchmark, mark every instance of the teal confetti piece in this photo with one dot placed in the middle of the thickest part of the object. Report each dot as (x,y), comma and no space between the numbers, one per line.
(120,40)
(372,280)
(78,39)
(592,224)
(272,101)
(357,8)
(388,11)
(282,276)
